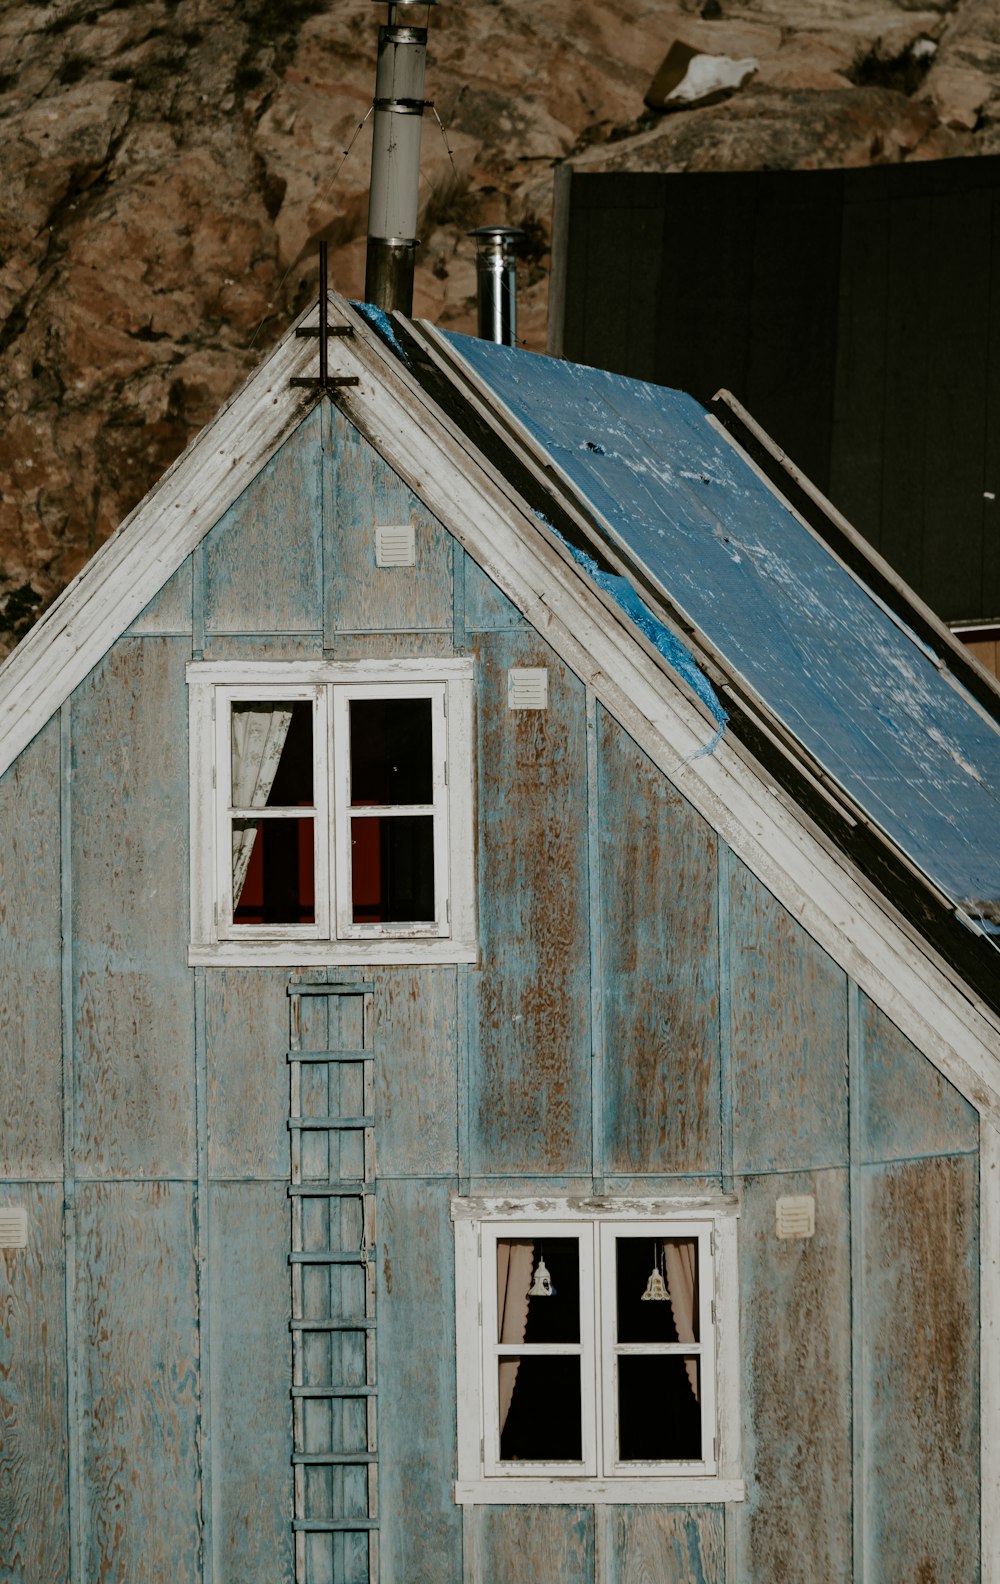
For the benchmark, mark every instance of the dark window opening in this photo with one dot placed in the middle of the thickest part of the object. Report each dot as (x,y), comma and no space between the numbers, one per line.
(279,885)
(545,1421)
(545,1417)
(392,869)
(659,1419)
(391,751)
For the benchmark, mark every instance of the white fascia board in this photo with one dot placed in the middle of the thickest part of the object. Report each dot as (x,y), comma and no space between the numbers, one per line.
(152,542)
(859,928)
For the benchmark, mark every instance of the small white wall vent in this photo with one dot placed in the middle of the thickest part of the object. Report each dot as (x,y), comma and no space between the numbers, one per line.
(528,688)
(13,1227)
(795,1216)
(395,547)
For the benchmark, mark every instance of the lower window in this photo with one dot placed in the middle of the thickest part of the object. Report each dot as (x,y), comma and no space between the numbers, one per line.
(596,1344)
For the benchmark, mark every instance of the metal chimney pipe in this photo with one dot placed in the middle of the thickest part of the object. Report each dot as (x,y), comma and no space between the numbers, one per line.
(392,201)
(496,281)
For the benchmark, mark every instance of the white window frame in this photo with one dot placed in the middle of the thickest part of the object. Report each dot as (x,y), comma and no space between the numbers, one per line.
(334,938)
(599,1476)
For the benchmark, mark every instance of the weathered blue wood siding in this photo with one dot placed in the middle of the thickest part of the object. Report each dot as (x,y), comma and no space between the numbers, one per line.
(643,1014)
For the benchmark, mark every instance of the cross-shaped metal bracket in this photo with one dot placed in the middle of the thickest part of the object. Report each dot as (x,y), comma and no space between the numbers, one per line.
(324,330)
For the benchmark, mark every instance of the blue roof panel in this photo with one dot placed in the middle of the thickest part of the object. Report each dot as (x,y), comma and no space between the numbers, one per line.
(860,691)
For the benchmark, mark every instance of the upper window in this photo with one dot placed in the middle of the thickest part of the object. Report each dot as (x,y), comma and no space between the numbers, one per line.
(331,812)
(600,1348)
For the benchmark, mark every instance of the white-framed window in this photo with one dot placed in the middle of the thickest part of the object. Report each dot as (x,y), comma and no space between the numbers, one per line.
(331,811)
(597,1350)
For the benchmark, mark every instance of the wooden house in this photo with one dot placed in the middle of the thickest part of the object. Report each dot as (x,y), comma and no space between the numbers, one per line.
(500,1021)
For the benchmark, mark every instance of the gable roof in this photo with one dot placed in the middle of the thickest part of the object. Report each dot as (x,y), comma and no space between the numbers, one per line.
(473,430)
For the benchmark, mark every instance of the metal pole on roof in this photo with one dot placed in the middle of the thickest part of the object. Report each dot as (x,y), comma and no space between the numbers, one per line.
(496,282)
(392,201)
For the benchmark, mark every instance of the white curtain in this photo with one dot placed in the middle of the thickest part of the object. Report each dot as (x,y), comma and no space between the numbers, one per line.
(258,736)
(514,1265)
(681,1258)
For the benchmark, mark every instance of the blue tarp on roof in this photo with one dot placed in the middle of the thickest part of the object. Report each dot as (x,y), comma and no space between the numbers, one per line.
(860,691)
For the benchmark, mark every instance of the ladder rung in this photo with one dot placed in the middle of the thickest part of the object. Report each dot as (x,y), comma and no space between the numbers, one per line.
(330,1190)
(332,1256)
(329,1124)
(329,1459)
(334,1525)
(334,1391)
(366,1323)
(330,989)
(328,1056)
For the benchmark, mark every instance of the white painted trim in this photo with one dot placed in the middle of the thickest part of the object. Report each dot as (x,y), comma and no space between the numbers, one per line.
(618,1207)
(989,1302)
(569,1491)
(329,954)
(596,1223)
(303,673)
(215,940)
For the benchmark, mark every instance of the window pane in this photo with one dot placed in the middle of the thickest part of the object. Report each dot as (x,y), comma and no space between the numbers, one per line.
(392,869)
(391,757)
(272,751)
(656,1289)
(538,1290)
(540,1409)
(274,872)
(659,1419)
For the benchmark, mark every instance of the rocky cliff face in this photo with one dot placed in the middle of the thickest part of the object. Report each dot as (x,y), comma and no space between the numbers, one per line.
(170,166)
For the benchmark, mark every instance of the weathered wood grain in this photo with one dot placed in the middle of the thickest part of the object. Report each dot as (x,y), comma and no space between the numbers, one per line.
(390,646)
(530,1038)
(908,1107)
(416,1070)
(361,596)
(30,994)
(251,1377)
(266,646)
(921,1370)
(522,1545)
(133,998)
(262,559)
(169,611)
(137,1303)
(34,1521)
(420,1536)
(487,608)
(659,931)
(788,1038)
(246,1035)
(795,1526)
(665,1545)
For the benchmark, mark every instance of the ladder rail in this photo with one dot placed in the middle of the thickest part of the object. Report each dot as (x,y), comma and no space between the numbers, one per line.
(332,1222)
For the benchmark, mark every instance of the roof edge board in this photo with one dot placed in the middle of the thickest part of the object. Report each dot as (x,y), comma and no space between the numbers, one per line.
(864,932)
(151,543)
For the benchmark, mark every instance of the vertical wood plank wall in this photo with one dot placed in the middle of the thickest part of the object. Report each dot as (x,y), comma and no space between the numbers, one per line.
(643,1013)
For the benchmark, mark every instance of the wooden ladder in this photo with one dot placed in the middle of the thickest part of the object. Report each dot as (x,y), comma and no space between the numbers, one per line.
(332,1262)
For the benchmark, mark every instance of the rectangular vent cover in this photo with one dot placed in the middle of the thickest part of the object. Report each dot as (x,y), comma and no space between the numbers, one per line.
(528,688)
(13,1227)
(395,547)
(795,1216)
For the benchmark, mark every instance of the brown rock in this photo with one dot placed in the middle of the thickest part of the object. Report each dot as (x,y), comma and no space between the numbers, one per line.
(169,167)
